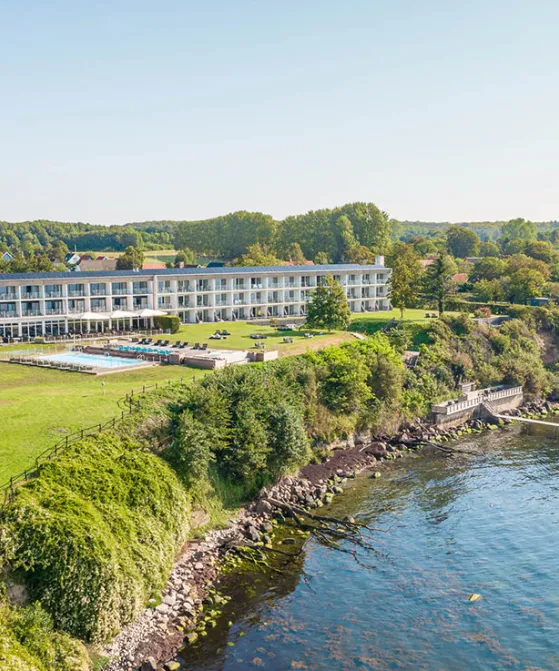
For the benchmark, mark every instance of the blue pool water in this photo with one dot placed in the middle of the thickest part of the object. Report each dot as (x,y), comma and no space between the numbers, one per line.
(95,360)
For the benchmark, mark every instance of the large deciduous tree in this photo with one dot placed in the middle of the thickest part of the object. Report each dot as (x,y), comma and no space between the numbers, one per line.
(328,307)
(462,242)
(405,281)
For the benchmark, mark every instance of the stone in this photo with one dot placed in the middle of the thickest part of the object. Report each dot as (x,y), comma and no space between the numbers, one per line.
(172,666)
(263,508)
(288,541)
(252,534)
(376,474)
(149,665)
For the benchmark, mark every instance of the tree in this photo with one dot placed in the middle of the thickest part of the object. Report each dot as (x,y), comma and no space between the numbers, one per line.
(321,259)
(488,291)
(518,229)
(185,256)
(540,250)
(405,281)
(462,242)
(328,307)
(488,268)
(489,248)
(295,254)
(132,259)
(518,261)
(524,284)
(258,255)
(438,282)
(358,254)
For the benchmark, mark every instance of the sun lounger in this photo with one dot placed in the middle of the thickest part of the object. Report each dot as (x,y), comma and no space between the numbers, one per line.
(196,346)
(184,345)
(204,347)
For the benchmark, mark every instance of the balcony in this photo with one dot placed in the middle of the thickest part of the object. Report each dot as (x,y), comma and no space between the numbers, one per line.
(8,314)
(120,291)
(76,293)
(54,311)
(165,306)
(36,312)
(98,308)
(8,296)
(74,309)
(53,294)
(98,292)
(32,295)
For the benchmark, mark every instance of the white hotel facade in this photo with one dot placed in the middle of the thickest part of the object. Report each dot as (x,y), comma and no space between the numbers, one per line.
(43,304)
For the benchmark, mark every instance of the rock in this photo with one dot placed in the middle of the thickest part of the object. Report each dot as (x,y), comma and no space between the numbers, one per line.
(288,541)
(263,508)
(172,666)
(149,665)
(252,534)
(376,474)
(199,566)
(192,637)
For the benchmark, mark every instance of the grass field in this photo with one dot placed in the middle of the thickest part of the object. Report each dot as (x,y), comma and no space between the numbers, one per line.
(39,406)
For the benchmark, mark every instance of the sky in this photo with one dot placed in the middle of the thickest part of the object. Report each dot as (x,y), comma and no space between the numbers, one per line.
(129,110)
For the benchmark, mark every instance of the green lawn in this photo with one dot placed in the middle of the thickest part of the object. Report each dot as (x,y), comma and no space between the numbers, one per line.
(39,406)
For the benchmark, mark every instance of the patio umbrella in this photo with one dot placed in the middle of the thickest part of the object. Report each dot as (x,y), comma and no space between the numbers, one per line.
(148,312)
(92,316)
(121,314)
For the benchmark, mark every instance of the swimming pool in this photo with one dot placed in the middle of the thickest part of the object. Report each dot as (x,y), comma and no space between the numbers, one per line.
(93,360)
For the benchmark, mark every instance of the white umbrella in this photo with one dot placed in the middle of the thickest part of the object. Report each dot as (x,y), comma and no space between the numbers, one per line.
(148,312)
(92,316)
(121,314)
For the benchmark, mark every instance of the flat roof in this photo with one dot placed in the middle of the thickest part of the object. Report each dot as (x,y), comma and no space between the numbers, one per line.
(237,270)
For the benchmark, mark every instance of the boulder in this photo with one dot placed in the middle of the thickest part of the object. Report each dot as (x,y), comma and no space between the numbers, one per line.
(149,665)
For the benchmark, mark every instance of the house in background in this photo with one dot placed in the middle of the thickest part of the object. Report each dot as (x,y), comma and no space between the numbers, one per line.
(92,265)
(6,257)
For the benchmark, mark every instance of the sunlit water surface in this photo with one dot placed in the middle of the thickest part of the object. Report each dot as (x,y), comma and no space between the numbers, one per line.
(485,522)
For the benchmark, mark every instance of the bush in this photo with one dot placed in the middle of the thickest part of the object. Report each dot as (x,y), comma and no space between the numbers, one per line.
(169,323)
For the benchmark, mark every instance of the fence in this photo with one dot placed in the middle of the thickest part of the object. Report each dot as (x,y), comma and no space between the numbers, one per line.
(458,406)
(8,488)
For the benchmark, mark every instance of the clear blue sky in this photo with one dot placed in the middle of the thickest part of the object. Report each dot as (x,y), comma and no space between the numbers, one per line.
(131,110)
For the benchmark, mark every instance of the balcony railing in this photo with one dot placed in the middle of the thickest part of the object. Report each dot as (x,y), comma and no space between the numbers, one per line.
(53,294)
(31,295)
(54,311)
(31,313)
(8,297)
(98,308)
(98,292)
(8,314)
(76,294)
(122,291)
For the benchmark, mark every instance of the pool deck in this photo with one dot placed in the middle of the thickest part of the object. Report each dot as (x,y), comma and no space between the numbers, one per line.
(43,362)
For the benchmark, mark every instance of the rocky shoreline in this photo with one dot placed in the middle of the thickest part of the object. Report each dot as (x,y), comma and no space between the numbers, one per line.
(150,642)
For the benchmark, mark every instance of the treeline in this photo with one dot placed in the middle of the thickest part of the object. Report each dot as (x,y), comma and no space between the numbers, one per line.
(329,232)
(93,538)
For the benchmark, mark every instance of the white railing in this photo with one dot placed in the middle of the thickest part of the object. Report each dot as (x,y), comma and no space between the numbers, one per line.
(457,406)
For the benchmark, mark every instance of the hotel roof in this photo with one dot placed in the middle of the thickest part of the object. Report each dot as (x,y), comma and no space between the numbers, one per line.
(235,270)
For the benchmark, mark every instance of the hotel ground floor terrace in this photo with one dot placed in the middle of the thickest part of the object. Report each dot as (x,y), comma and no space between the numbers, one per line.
(54,304)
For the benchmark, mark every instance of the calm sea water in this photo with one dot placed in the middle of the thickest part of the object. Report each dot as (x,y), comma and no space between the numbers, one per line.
(486,522)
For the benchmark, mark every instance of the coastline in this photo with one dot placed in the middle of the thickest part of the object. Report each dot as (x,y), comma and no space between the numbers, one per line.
(151,641)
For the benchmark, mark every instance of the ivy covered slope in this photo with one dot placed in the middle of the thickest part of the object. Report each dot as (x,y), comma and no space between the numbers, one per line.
(93,538)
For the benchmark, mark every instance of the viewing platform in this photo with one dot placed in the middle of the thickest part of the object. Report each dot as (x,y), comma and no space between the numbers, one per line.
(471,404)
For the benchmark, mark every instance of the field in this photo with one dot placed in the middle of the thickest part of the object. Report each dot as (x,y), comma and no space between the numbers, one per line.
(40,406)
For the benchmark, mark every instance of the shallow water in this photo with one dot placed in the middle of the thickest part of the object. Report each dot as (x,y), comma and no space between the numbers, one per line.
(486,522)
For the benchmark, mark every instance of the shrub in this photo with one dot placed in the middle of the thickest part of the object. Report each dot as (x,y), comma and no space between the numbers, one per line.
(169,323)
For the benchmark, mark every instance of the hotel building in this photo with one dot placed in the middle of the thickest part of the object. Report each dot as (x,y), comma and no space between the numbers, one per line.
(51,304)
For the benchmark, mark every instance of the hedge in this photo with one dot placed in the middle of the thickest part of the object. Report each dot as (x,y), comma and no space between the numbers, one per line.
(167,323)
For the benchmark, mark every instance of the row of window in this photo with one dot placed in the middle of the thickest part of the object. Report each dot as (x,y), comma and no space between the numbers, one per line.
(32,291)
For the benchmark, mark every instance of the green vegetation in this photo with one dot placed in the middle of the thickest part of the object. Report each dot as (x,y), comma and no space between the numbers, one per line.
(405,281)
(132,259)
(328,307)
(170,323)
